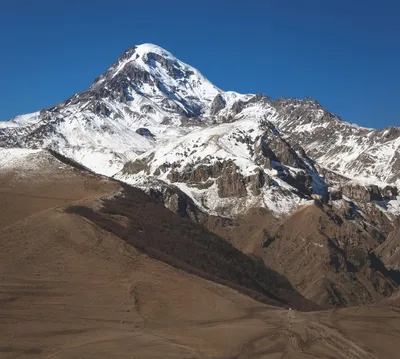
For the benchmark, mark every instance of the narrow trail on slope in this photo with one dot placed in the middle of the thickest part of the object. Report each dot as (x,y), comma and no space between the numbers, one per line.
(298,335)
(308,337)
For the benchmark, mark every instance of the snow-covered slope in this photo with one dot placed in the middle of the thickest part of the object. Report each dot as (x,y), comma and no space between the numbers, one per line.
(156,122)
(147,87)
(225,167)
(366,155)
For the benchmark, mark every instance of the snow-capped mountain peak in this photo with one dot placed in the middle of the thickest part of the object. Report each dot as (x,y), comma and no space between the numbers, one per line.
(151,72)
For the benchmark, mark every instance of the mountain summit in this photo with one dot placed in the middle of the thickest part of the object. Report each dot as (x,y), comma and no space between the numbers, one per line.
(150,72)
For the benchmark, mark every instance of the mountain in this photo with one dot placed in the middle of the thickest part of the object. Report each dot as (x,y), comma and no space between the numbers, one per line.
(149,107)
(222,159)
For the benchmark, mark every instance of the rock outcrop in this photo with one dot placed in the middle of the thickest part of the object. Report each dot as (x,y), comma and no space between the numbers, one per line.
(369,193)
(231,183)
(217,105)
(335,194)
(145,132)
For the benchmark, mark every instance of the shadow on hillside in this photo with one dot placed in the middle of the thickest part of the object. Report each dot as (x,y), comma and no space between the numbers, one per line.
(163,235)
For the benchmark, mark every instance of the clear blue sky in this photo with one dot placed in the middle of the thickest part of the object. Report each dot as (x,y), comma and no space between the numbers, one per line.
(344,53)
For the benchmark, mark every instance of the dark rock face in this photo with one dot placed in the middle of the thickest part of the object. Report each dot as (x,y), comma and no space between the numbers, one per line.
(134,167)
(217,105)
(102,109)
(231,183)
(389,193)
(199,173)
(139,165)
(305,179)
(335,194)
(144,132)
(277,149)
(229,180)
(369,193)
(273,151)
(257,181)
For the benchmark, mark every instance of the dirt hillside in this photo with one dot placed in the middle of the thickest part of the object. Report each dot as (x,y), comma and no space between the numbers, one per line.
(71,288)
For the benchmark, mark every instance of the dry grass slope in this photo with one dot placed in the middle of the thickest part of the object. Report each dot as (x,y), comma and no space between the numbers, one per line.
(71,289)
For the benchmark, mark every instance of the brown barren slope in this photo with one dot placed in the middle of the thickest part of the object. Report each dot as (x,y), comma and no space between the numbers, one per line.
(70,289)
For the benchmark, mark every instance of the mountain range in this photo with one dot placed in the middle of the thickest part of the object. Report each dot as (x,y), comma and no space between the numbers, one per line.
(284,181)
